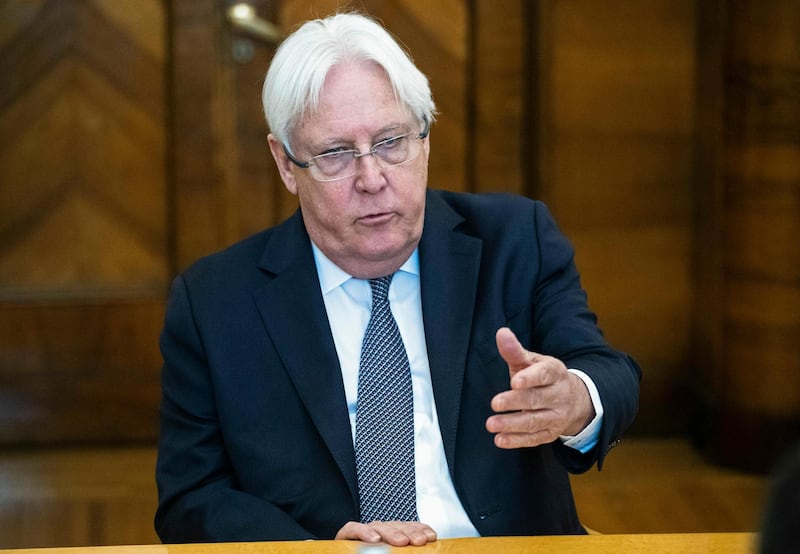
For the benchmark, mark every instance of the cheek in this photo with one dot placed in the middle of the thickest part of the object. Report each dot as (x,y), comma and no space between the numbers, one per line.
(414,195)
(327,207)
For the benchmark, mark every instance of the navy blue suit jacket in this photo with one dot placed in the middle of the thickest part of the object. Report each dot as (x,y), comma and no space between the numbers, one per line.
(255,438)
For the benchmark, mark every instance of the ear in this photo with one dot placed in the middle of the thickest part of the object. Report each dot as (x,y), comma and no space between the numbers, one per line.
(284,164)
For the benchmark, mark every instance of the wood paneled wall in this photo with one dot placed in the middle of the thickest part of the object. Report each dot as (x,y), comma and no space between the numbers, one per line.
(616,124)
(132,142)
(747,313)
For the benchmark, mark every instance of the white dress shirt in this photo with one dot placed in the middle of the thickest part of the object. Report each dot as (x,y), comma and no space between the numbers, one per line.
(348,303)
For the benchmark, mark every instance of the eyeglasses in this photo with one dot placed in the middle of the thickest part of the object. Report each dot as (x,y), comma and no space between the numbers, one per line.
(341,164)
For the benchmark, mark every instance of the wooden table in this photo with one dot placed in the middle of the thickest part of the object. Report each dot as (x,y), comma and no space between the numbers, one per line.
(683,543)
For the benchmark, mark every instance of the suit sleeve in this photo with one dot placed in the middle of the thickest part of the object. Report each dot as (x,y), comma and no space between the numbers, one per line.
(564,327)
(199,500)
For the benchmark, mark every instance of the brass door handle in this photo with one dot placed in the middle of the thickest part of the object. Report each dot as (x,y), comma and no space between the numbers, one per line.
(242,16)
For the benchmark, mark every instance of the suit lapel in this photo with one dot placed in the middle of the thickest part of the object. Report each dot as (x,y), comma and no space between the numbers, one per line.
(298,327)
(449,267)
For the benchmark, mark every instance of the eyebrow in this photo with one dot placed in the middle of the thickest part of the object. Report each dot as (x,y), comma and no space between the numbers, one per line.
(398,128)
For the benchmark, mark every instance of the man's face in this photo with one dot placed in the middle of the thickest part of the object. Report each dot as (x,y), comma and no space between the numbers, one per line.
(370,223)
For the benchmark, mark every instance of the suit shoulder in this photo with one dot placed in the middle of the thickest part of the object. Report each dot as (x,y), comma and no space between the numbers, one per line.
(230,260)
(498,210)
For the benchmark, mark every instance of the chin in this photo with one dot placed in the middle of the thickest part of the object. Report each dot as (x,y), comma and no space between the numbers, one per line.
(377,250)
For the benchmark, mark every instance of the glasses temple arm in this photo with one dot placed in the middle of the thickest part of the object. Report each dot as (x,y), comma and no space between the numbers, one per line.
(294,160)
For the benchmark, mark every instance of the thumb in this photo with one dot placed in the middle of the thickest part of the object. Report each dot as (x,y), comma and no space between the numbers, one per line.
(512,351)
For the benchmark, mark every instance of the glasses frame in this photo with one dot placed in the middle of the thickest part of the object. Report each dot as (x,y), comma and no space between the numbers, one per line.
(371,152)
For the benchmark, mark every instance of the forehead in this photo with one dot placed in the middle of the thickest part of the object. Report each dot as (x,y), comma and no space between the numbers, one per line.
(356,101)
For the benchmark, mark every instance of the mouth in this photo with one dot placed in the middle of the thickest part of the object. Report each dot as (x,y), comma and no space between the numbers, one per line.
(376,219)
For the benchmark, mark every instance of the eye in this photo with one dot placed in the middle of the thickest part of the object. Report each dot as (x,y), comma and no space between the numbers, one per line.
(333,151)
(389,143)
(334,155)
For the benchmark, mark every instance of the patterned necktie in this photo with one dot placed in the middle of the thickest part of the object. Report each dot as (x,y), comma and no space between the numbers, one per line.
(385,418)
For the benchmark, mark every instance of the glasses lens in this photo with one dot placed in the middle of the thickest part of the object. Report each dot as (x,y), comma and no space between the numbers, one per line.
(393,151)
(388,153)
(335,165)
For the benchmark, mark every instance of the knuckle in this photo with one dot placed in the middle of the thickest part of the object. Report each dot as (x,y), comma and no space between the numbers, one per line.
(530,423)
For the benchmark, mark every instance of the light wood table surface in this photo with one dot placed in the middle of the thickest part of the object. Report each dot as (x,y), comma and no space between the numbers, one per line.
(683,543)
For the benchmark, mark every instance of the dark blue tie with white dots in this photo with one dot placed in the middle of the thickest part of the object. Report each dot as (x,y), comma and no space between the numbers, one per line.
(385,418)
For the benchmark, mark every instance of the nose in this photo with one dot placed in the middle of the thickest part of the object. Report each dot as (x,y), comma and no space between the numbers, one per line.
(370,177)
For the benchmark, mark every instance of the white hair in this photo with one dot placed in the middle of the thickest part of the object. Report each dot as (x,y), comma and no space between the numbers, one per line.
(301,63)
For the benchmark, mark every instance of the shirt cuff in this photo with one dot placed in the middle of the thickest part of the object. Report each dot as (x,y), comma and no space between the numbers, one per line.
(587,439)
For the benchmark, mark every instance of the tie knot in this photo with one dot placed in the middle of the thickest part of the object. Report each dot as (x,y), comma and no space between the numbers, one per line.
(380,287)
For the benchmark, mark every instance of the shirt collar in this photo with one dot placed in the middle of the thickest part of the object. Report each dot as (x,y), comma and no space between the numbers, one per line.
(332,276)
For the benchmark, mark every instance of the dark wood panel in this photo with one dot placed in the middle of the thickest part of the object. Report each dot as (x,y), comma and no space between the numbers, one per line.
(77,372)
(502,68)
(753,383)
(226,184)
(196,173)
(256,194)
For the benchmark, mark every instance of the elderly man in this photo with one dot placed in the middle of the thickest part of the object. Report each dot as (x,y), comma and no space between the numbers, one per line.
(391,363)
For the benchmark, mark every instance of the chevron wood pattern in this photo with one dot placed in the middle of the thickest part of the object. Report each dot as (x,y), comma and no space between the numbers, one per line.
(84,244)
(83,201)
